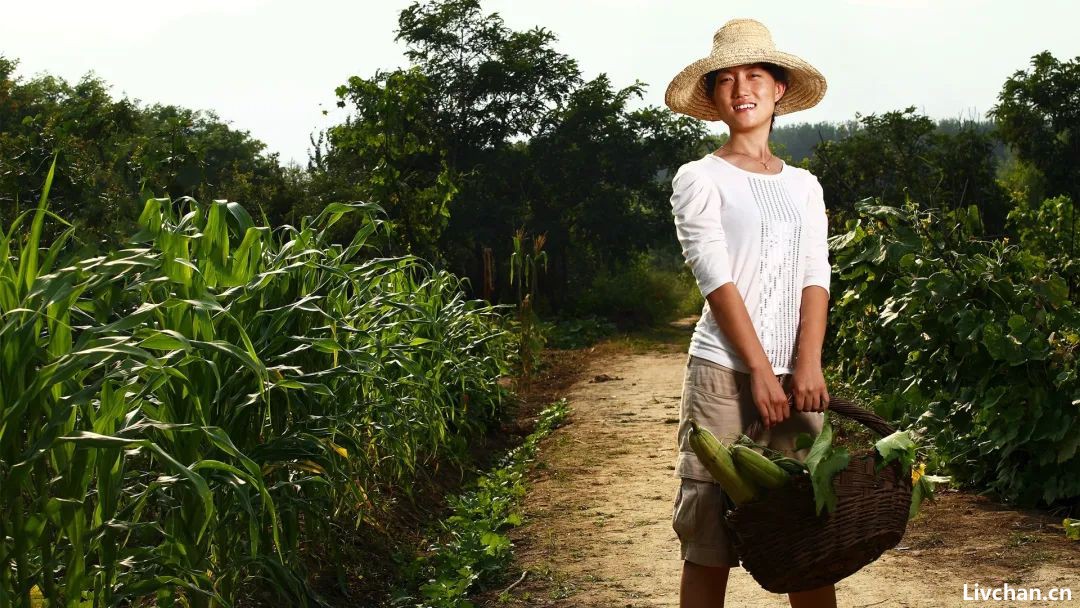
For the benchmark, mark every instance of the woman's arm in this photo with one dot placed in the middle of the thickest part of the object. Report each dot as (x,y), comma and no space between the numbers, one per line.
(696,204)
(808,381)
(731,316)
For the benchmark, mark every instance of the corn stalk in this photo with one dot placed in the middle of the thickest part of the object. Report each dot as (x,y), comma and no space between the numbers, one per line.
(182,418)
(525,266)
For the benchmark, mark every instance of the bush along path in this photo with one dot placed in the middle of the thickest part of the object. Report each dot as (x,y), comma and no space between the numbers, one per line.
(470,549)
(597,530)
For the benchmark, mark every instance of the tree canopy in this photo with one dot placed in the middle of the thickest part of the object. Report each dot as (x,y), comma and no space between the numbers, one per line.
(113,152)
(491,130)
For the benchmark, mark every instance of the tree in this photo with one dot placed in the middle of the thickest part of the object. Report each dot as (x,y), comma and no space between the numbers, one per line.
(112,151)
(799,140)
(507,121)
(84,126)
(181,152)
(603,176)
(494,84)
(1038,115)
(901,154)
(390,152)
(430,143)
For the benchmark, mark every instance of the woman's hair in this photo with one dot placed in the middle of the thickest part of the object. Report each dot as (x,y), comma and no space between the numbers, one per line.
(778,73)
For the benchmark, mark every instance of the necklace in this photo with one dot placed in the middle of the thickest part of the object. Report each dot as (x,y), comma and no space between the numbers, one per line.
(764,163)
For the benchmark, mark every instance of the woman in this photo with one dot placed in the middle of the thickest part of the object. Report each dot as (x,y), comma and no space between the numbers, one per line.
(753,231)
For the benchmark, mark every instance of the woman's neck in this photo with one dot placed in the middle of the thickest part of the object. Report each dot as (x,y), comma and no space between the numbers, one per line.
(754,145)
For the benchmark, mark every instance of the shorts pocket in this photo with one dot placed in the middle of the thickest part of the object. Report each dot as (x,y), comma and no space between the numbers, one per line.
(715,381)
(675,508)
(684,514)
(722,415)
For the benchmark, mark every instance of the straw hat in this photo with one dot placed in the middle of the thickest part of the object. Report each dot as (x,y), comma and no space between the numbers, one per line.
(741,42)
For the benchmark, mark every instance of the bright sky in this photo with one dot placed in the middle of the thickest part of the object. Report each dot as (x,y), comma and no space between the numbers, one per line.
(270,66)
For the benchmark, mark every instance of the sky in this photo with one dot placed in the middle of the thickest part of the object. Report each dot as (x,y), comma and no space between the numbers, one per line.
(270,67)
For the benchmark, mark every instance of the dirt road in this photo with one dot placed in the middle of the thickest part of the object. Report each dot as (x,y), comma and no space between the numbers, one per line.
(598,515)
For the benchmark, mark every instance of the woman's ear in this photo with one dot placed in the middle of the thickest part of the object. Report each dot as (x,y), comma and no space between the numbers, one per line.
(781,88)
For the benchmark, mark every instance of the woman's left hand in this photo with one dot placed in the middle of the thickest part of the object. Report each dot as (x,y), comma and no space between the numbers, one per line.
(808,388)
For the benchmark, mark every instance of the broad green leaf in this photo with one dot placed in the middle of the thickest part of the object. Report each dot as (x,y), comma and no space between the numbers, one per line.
(166,339)
(1019,327)
(897,446)
(824,462)
(804,441)
(1058,290)
(917,497)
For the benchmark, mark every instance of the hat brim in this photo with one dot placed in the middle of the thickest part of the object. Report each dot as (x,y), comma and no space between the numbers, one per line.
(686,92)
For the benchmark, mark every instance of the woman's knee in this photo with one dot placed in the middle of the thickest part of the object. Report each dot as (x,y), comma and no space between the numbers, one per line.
(703,570)
(704,581)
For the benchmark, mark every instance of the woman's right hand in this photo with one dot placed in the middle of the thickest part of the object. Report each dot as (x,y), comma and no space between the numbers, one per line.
(769,398)
(729,312)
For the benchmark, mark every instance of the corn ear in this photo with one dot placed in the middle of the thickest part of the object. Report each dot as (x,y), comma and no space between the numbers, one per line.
(792,466)
(757,468)
(716,458)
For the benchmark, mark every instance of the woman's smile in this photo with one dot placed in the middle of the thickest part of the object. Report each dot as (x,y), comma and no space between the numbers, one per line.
(740,91)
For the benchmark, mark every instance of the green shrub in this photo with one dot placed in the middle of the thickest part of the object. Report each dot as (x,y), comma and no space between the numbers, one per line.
(968,340)
(577,332)
(1047,236)
(644,291)
(471,548)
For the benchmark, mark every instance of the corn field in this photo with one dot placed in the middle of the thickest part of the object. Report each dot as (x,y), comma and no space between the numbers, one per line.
(182,418)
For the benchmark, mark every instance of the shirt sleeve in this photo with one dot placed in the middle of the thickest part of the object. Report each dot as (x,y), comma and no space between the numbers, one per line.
(817,269)
(696,204)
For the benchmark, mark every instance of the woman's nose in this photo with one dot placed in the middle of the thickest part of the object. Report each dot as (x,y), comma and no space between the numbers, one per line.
(741,87)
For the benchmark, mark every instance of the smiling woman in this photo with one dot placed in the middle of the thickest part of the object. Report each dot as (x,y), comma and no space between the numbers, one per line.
(753,231)
(757,73)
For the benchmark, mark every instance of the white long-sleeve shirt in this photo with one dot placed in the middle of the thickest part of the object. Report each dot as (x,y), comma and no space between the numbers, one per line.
(765,233)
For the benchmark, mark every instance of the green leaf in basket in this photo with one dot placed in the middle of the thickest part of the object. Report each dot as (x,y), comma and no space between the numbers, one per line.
(924,490)
(824,462)
(897,446)
(916,499)
(803,441)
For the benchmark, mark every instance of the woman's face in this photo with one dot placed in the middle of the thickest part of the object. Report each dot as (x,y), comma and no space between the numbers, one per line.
(745,96)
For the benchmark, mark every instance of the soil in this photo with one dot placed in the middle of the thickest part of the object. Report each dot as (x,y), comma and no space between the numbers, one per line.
(598,510)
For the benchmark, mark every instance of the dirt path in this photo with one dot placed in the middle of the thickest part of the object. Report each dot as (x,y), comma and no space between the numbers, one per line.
(598,515)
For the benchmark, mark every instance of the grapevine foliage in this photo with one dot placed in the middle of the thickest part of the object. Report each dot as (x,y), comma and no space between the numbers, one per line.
(970,342)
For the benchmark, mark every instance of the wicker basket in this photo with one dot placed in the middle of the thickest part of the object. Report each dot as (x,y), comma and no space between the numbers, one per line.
(787,547)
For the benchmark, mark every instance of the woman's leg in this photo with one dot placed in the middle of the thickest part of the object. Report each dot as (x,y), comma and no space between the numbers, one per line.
(711,395)
(822,597)
(703,586)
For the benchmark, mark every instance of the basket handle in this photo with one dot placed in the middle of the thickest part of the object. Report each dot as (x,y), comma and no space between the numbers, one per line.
(861,415)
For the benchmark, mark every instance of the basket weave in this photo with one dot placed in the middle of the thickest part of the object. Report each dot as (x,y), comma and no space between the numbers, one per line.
(787,547)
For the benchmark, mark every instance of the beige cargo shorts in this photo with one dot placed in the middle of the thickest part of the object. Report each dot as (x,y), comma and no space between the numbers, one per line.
(719,399)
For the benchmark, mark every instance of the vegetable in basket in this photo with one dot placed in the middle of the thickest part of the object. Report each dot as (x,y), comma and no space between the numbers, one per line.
(746,475)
